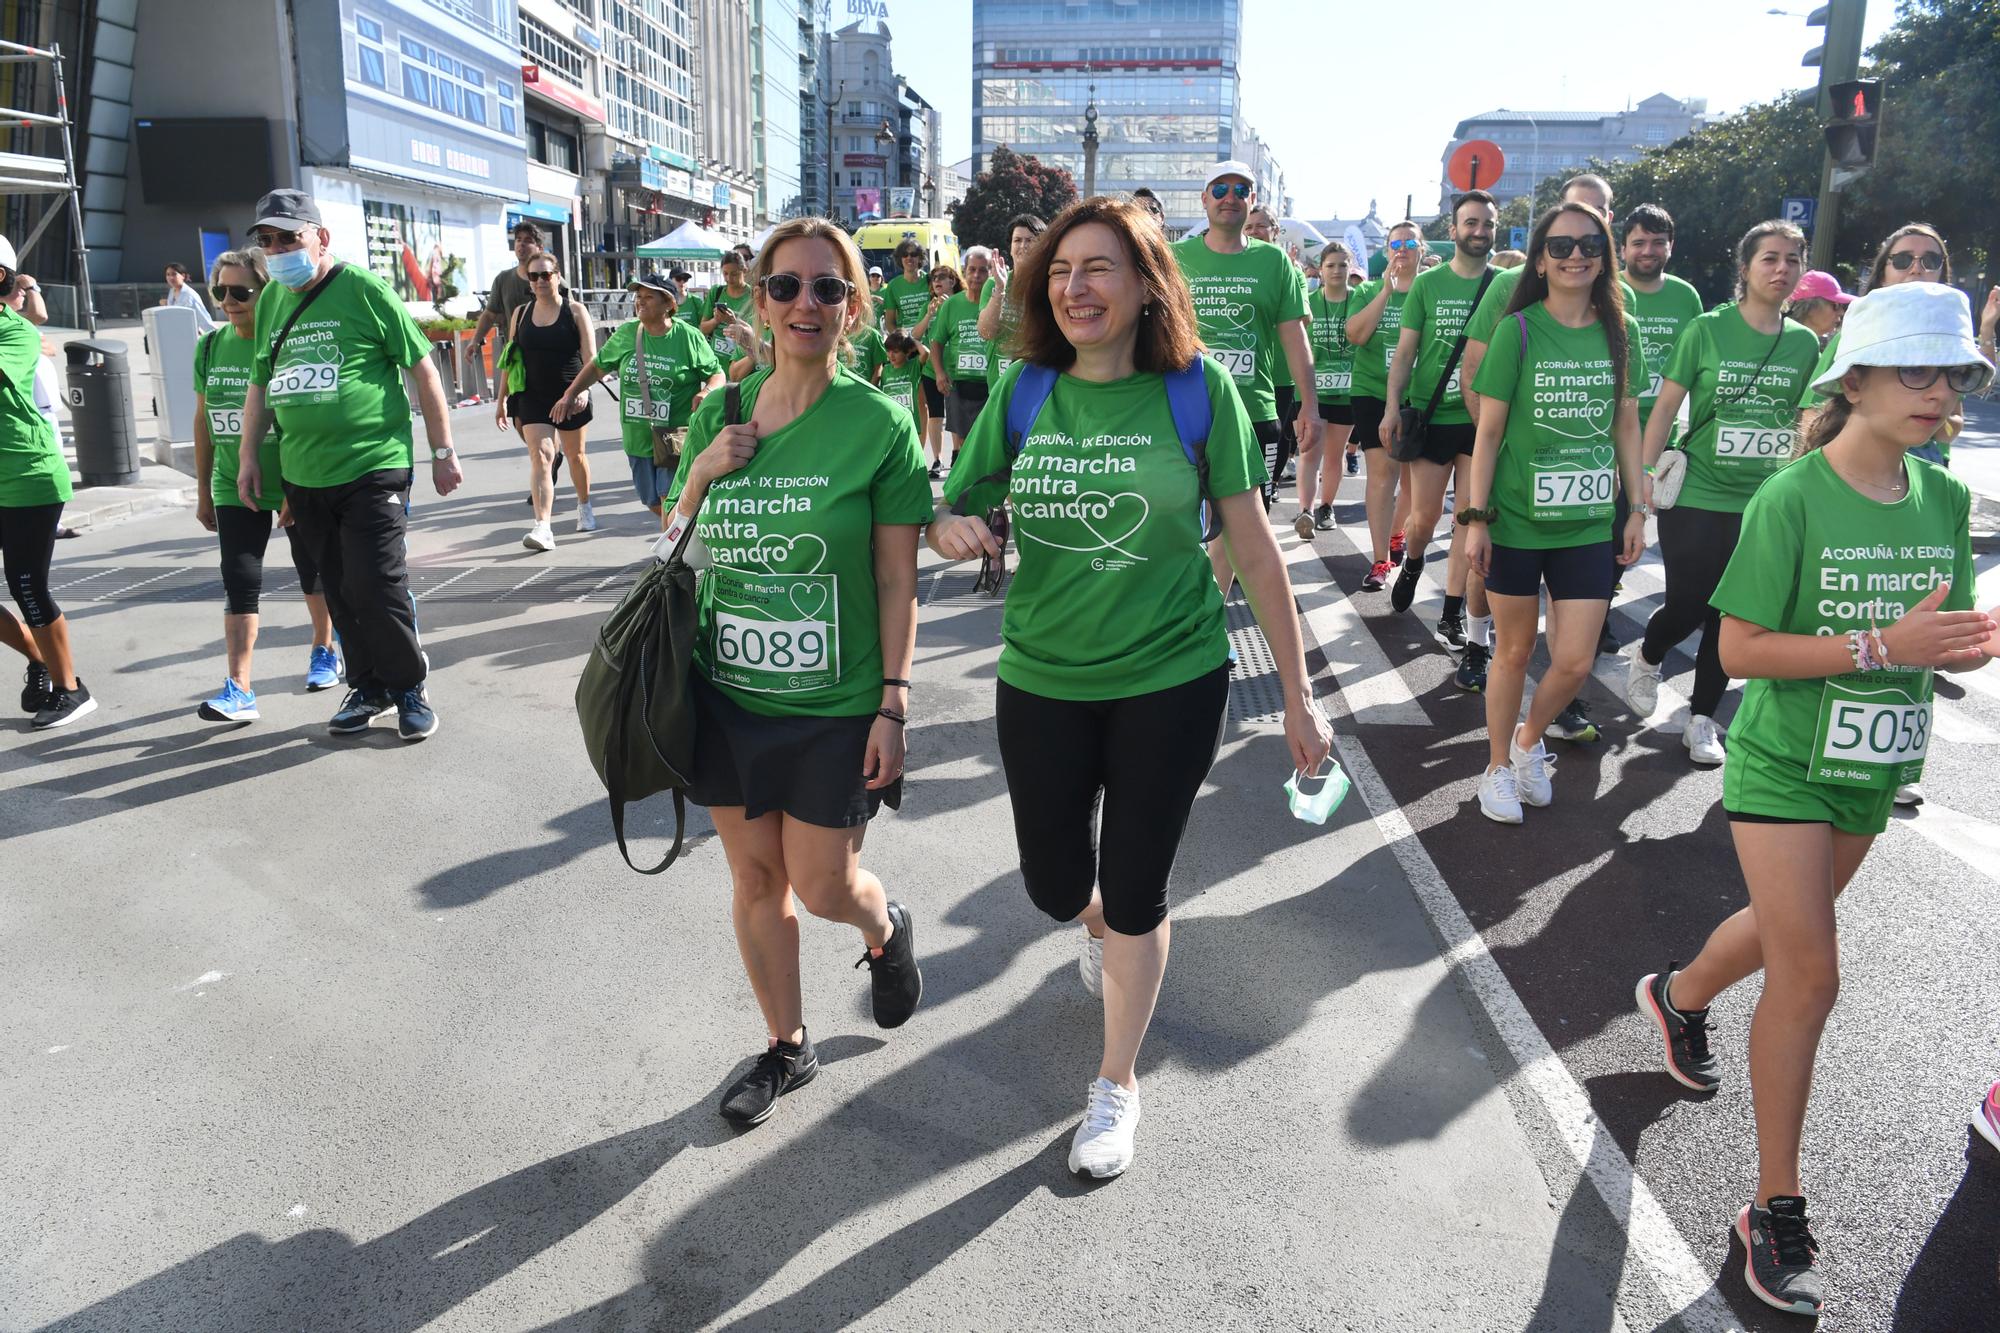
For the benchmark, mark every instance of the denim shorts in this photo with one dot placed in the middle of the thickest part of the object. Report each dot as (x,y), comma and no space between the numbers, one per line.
(650,479)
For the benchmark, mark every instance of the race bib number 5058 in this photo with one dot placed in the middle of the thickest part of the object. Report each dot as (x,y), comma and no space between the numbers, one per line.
(1870,736)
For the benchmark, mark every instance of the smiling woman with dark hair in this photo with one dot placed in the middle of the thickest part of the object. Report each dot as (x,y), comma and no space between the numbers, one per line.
(1114,670)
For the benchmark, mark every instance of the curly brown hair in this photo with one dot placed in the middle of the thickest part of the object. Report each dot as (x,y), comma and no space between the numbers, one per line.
(1168,338)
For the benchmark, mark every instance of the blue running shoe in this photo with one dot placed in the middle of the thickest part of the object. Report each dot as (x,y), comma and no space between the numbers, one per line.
(232,703)
(323,672)
(415,718)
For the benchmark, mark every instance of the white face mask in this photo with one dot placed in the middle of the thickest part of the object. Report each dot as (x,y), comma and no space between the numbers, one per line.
(1314,807)
(293,268)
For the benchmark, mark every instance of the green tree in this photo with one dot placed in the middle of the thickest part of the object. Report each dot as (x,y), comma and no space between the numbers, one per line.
(1013,183)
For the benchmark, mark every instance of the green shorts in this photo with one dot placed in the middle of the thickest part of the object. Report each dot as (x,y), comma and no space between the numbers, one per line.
(1760,784)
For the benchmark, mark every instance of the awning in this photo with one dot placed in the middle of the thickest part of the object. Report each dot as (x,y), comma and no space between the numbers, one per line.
(535,208)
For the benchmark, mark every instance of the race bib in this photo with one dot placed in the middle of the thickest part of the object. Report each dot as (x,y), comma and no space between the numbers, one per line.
(662,410)
(1001,368)
(900,396)
(304,377)
(1872,736)
(774,633)
(1766,445)
(1653,386)
(1334,381)
(972,361)
(1574,495)
(225,421)
(1451,385)
(1240,362)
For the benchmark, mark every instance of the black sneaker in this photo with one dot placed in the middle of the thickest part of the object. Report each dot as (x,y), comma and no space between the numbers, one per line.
(1471,673)
(1323,518)
(357,710)
(1573,724)
(1685,1035)
(781,1069)
(894,978)
(1780,1255)
(1354,465)
(415,718)
(1451,632)
(64,707)
(1607,642)
(35,692)
(936,472)
(1404,590)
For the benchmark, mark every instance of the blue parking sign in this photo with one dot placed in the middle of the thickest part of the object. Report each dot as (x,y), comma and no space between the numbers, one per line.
(1517,238)
(1800,211)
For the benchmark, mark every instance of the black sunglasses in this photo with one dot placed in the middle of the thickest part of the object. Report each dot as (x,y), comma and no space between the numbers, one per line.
(784,288)
(1931,260)
(1961,379)
(542,275)
(1562,247)
(221,292)
(1223,189)
(267,238)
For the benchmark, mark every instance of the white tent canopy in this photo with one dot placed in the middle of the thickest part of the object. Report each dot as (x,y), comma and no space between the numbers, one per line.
(690,240)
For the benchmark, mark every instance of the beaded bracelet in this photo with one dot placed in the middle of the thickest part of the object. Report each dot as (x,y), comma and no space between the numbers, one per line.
(1881,647)
(1862,651)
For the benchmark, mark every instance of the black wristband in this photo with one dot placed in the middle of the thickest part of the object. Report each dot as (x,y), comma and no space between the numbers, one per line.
(888,681)
(897,718)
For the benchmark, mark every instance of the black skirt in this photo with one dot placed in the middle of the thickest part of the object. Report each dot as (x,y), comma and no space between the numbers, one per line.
(807,767)
(529,408)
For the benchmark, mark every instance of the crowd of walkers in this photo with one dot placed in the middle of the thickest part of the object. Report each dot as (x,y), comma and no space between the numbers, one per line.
(1124,410)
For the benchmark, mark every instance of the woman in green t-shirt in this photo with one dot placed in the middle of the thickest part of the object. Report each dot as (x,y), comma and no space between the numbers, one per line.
(944,284)
(1114,666)
(1327,311)
(959,352)
(1372,330)
(1745,366)
(807,513)
(221,378)
(1558,429)
(1851,585)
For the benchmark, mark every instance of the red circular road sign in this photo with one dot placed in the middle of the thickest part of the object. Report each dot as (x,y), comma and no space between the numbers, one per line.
(1476,164)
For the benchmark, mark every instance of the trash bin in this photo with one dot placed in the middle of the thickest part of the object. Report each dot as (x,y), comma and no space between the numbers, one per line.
(100,411)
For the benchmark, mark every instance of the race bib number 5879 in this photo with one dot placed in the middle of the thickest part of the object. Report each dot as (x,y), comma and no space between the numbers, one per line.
(1240,362)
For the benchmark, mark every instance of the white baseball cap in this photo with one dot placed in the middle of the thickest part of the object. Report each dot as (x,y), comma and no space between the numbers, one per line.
(1909,324)
(8,259)
(1229,168)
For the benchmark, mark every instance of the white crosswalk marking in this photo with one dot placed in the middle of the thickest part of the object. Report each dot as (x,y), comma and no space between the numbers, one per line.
(1374,690)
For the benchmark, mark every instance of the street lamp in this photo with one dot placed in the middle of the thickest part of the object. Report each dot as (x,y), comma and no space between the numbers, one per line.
(1090,144)
(831,104)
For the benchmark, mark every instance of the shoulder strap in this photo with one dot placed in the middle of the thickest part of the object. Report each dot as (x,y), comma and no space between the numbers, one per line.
(732,415)
(1031,392)
(1194,417)
(1457,348)
(278,343)
(514,324)
(1715,402)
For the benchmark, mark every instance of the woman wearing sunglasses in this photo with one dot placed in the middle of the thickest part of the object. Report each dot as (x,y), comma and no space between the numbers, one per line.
(1851,585)
(1745,366)
(221,377)
(1327,311)
(551,332)
(1558,429)
(808,513)
(1372,330)
(944,284)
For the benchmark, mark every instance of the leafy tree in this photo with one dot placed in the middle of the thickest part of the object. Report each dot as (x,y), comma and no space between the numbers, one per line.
(1013,183)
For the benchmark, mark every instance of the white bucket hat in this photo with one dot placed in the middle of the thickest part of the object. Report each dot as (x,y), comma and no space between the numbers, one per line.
(1909,324)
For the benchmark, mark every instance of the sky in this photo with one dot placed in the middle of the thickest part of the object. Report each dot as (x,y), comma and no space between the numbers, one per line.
(1405,85)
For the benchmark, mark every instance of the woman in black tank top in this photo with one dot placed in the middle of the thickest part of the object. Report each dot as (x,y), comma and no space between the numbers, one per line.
(552,333)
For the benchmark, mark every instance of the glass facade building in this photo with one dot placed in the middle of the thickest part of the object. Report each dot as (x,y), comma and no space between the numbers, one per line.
(774,43)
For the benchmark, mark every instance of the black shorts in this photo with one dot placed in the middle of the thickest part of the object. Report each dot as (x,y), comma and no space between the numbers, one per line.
(1446,443)
(1740,817)
(531,409)
(933,396)
(961,406)
(807,767)
(1338,414)
(1367,420)
(1573,573)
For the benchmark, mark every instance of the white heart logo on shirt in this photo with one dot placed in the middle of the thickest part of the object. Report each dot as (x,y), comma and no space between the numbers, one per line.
(1120,522)
(782,548)
(808,600)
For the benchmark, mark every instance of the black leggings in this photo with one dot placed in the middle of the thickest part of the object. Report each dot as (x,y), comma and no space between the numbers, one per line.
(27,545)
(1695,545)
(1288,436)
(1143,758)
(245,533)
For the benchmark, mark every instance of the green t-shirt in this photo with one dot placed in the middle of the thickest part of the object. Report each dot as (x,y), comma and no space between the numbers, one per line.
(869,354)
(1239,301)
(1818,557)
(1744,418)
(1821,367)
(1437,308)
(1371,358)
(909,299)
(726,349)
(957,328)
(678,363)
(1558,468)
(1333,355)
(1107,514)
(1662,316)
(1500,295)
(222,377)
(337,390)
(32,468)
(998,351)
(900,383)
(790,625)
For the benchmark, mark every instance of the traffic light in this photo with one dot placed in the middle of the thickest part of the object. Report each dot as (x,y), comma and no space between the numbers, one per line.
(1855,122)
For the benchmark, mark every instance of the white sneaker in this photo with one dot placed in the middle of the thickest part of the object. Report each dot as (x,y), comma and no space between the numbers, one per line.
(1910,793)
(1703,740)
(1642,681)
(1090,964)
(1103,1143)
(1533,770)
(1500,796)
(540,538)
(586,518)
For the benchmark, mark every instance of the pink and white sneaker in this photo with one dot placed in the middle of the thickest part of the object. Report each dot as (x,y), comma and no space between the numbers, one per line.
(1987,1119)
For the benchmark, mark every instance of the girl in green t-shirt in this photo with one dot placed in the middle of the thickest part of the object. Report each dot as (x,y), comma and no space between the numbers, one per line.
(221,378)
(1558,428)
(1745,367)
(807,511)
(1114,669)
(901,372)
(1327,311)
(1851,585)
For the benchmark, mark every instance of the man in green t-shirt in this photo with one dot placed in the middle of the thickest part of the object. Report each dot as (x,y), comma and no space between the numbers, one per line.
(957,350)
(1435,314)
(333,342)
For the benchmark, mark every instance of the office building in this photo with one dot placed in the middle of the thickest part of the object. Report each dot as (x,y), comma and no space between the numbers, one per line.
(1163,74)
(876,123)
(775,59)
(564,121)
(1539,144)
(725,116)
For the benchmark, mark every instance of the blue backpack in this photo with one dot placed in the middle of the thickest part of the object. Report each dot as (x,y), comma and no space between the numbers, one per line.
(1187,399)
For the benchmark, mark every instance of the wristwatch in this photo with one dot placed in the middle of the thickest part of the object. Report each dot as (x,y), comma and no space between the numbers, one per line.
(440,455)
(1642,508)
(1473,514)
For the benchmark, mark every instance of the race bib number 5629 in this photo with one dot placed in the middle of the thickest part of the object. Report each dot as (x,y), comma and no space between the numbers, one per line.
(303,378)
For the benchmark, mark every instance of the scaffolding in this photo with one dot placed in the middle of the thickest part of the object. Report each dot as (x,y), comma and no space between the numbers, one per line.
(26,173)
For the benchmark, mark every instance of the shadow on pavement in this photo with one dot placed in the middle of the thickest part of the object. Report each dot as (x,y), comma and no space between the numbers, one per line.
(1956,1270)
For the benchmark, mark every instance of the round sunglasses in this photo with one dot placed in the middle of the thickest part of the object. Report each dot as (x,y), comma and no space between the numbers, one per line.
(1960,379)
(1930,260)
(1223,189)
(784,288)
